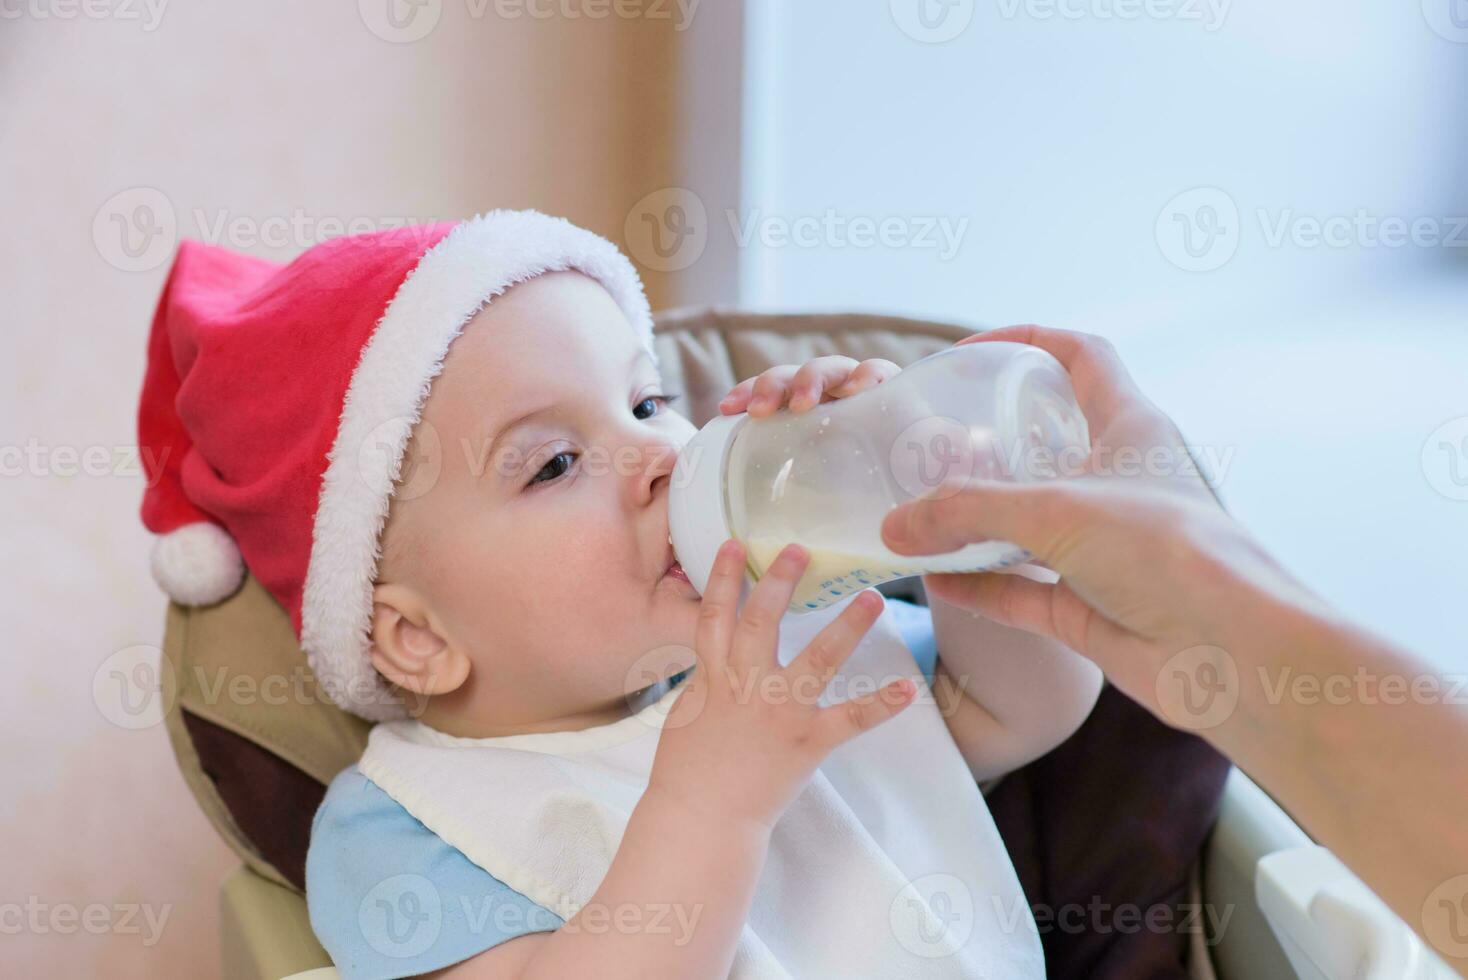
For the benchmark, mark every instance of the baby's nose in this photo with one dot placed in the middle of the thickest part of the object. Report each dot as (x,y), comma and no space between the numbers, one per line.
(661,465)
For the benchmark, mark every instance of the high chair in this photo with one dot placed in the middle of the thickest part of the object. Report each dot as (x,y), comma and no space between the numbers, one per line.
(258,742)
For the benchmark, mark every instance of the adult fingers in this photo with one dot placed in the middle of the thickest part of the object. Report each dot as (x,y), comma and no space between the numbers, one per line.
(1101,381)
(1038,517)
(1053,611)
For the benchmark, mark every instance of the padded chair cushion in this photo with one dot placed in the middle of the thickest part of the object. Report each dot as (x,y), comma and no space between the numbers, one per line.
(1104,832)
(1117,814)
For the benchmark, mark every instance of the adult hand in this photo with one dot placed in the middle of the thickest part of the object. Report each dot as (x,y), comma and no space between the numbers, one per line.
(1170,596)
(1149,562)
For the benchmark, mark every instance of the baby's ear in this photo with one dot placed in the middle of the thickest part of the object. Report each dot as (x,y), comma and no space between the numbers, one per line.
(407,649)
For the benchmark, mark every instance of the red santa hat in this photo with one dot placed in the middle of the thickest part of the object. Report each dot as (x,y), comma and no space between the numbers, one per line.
(278,402)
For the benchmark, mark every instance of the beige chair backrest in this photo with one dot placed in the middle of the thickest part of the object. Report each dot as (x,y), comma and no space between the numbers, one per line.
(237,665)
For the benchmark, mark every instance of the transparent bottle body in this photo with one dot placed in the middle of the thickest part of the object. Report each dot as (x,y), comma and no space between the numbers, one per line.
(827,477)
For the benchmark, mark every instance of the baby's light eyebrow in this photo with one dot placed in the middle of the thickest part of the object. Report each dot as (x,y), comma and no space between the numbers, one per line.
(490,455)
(490,458)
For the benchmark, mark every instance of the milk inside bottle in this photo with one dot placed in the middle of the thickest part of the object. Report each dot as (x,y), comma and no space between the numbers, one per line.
(826,477)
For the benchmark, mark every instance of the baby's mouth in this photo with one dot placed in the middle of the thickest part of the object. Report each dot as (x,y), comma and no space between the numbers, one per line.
(674,570)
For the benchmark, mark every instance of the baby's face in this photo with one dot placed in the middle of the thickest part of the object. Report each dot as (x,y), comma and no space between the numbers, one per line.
(537,555)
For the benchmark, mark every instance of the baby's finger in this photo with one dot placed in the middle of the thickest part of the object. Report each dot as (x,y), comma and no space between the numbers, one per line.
(758,631)
(720,603)
(816,377)
(831,647)
(867,374)
(842,722)
(739,397)
(770,389)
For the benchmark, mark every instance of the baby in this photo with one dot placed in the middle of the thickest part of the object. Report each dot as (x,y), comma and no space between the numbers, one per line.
(585,768)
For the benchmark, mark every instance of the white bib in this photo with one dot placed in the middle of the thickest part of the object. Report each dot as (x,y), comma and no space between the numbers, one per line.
(887,865)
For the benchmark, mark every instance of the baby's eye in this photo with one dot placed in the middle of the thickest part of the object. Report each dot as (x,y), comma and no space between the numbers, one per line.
(555,467)
(657,402)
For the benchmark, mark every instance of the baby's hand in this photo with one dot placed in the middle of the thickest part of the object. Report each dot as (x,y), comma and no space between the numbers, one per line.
(746,734)
(806,386)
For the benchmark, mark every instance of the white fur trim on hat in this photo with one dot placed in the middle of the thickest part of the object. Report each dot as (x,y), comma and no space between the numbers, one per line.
(474,263)
(197,564)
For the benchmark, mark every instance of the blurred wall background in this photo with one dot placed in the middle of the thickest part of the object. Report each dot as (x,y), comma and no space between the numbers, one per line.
(264,126)
(1167,178)
(1264,205)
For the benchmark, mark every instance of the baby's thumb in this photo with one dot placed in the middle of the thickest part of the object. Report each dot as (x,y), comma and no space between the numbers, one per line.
(1031,515)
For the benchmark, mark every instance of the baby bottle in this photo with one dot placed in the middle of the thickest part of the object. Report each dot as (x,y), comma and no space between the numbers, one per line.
(826,477)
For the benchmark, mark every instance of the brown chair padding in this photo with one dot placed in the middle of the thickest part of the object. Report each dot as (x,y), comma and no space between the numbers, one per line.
(1105,830)
(1116,815)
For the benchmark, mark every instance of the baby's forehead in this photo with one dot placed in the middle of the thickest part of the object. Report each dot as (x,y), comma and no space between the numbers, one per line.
(558,339)
(556,385)
(548,371)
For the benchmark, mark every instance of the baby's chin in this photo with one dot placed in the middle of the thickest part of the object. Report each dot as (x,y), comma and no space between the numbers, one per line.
(675,608)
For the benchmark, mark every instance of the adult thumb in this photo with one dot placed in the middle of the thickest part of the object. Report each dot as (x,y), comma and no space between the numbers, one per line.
(1034,516)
